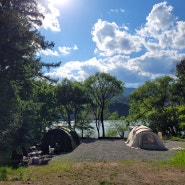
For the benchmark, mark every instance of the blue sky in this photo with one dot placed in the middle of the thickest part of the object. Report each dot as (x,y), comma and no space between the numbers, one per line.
(134,40)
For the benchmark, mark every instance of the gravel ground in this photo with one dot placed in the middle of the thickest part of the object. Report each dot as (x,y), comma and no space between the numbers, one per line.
(115,150)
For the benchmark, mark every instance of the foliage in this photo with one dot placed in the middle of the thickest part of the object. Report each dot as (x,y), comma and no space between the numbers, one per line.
(20,68)
(83,122)
(181,116)
(101,88)
(161,103)
(70,99)
(120,107)
(117,126)
(180,86)
(153,103)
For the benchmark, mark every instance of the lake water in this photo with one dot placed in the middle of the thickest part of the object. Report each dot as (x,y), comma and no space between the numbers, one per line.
(94,133)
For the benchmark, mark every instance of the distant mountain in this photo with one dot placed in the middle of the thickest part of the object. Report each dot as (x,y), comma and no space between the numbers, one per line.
(129,90)
(120,104)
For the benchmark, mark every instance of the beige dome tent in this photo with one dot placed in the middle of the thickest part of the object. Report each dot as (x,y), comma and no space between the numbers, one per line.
(143,137)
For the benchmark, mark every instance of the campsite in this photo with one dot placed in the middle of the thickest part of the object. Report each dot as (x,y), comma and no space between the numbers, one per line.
(105,161)
(60,140)
(57,94)
(64,158)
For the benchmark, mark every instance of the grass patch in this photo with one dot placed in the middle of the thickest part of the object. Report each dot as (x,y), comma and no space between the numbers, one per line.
(177,139)
(173,138)
(178,159)
(7,173)
(3,174)
(33,172)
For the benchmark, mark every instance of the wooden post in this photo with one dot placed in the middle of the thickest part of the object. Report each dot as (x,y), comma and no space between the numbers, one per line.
(160,135)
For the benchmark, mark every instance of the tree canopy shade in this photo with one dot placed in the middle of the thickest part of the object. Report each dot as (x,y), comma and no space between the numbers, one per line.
(101,88)
(20,67)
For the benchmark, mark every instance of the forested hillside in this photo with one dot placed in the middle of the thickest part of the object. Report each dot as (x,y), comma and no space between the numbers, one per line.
(120,104)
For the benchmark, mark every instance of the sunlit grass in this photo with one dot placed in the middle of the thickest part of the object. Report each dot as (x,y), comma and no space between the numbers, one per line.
(8,173)
(32,172)
(178,159)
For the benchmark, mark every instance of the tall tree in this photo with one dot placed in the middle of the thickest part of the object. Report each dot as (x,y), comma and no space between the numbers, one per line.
(20,66)
(84,120)
(153,103)
(70,98)
(117,125)
(180,86)
(101,88)
(48,112)
(179,92)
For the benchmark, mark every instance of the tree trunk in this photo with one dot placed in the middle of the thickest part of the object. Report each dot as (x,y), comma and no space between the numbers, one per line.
(97,127)
(102,122)
(69,120)
(82,132)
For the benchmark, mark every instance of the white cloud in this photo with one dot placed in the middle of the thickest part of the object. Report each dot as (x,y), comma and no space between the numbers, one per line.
(148,53)
(160,18)
(117,10)
(51,15)
(162,30)
(179,35)
(64,50)
(77,70)
(49,52)
(120,66)
(110,40)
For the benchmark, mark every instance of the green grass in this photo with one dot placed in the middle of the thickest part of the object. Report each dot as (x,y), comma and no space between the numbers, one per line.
(177,139)
(15,174)
(173,138)
(178,159)
(3,174)
(24,174)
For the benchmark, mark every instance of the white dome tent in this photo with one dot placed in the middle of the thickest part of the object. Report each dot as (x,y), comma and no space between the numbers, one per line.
(143,137)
